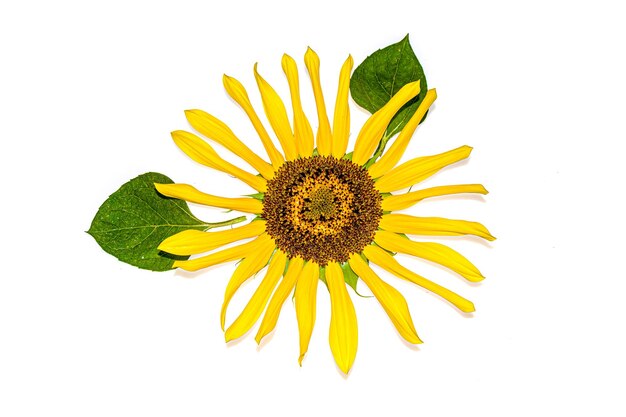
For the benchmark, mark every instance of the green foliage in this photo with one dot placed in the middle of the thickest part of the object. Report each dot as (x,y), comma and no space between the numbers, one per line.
(381,75)
(135,219)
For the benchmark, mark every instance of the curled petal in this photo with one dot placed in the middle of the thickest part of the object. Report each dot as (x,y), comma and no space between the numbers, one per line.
(226,255)
(324,137)
(218,131)
(249,266)
(343,335)
(406,200)
(189,193)
(201,152)
(253,310)
(277,116)
(238,93)
(418,169)
(391,157)
(386,261)
(432,226)
(191,242)
(392,301)
(303,133)
(341,118)
(430,251)
(305,297)
(374,128)
(279,297)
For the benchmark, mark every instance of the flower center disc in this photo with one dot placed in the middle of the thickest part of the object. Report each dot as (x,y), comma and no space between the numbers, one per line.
(322,208)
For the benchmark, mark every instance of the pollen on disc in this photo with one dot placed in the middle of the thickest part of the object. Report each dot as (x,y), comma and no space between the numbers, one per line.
(322,208)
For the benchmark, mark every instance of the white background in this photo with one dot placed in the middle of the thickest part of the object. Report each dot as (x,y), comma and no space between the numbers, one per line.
(88,95)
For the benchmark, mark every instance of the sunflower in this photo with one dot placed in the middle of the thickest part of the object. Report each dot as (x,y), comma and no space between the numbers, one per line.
(320,211)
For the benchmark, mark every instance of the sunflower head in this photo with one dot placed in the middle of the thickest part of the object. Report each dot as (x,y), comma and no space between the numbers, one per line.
(322,213)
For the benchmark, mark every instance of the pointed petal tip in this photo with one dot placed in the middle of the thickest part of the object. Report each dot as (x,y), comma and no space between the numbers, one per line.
(191,112)
(469,308)
(345,367)
(475,278)
(413,85)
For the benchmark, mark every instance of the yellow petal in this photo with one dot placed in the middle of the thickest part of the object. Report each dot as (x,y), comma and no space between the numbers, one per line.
(215,129)
(341,118)
(305,297)
(430,251)
(418,169)
(277,116)
(392,301)
(257,303)
(191,242)
(402,201)
(375,126)
(253,263)
(201,152)
(226,255)
(391,157)
(432,226)
(238,93)
(303,133)
(324,137)
(386,261)
(189,193)
(343,335)
(279,297)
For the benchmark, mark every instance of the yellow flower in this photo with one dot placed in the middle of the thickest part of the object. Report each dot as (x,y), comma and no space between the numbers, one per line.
(321,210)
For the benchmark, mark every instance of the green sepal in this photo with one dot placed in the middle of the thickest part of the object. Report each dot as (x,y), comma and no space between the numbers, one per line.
(257,196)
(351,278)
(322,276)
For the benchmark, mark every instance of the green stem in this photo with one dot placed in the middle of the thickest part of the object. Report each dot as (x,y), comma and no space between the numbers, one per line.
(225,223)
(379,150)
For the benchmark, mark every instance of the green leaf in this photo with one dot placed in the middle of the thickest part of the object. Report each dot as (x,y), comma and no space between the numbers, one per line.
(135,219)
(381,75)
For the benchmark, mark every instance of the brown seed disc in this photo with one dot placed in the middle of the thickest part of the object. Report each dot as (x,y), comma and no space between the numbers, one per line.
(322,208)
